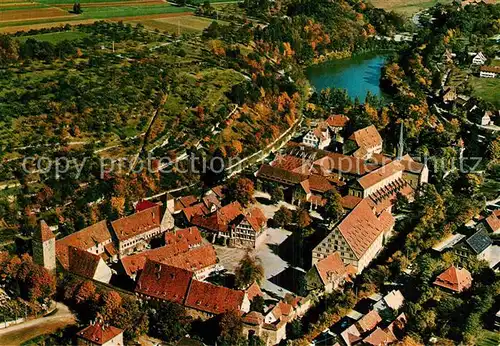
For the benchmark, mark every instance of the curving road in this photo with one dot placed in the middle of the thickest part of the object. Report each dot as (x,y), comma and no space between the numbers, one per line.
(19,333)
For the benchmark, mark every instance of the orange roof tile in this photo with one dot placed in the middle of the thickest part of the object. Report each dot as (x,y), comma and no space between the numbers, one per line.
(337,120)
(99,334)
(319,183)
(254,318)
(493,221)
(194,210)
(184,202)
(213,299)
(82,262)
(254,290)
(349,201)
(83,239)
(191,235)
(380,174)
(377,338)
(138,223)
(331,266)
(256,218)
(367,137)
(339,163)
(454,279)
(369,321)
(43,232)
(219,191)
(220,219)
(360,228)
(143,205)
(164,282)
(177,255)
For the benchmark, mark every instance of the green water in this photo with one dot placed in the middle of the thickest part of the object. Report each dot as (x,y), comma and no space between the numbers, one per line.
(357,75)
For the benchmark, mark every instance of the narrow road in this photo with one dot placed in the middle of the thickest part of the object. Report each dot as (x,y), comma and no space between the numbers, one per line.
(19,333)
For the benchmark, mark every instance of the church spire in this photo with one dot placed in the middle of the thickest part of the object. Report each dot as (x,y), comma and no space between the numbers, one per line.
(400,144)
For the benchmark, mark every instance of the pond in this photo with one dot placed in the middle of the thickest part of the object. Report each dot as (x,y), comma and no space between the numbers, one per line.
(357,75)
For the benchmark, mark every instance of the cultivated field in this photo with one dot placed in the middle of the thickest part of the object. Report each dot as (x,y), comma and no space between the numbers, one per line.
(405,6)
(181,24)
(55,37)
(32,14)
(25,15)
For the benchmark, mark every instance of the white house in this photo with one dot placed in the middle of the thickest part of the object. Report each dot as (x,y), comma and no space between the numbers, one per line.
(489,71)
(479,59)
(486,118)
(318,138)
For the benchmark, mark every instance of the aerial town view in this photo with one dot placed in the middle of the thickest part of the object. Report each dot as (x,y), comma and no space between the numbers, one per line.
(250,172)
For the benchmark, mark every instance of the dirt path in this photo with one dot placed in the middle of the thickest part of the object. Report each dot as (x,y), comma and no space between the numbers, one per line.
(19,333)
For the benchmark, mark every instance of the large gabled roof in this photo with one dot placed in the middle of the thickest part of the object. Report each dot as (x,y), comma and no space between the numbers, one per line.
(99,334)
(164,282)
(213,299)
(367,137)
(380,174)
(455,279)
(360,228)
(138,223)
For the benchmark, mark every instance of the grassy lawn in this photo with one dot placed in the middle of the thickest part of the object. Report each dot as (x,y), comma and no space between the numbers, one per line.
(487,88)
(126,11)
(405,6)
(55,37)
(182,24)
(489,338)
(495,62)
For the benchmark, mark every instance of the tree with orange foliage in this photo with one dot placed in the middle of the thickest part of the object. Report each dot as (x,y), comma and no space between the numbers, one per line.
(242,190)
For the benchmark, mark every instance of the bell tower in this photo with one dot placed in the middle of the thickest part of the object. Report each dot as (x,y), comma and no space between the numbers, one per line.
(44,247)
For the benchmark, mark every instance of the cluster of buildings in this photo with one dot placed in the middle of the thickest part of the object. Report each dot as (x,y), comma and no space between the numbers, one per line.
(376,320)
(480,59)
(368,181)
(478,243)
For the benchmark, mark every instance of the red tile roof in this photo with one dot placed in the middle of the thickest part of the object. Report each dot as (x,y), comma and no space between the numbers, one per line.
(219,220)
(280,175)
(377,338)
(493,221)
(164,282)
(43,232)
(454,279)
(337,120)
(185,202)
(331,266)
(290,163)
(411,165)
(380,174)
(350,202)
(254,290)
(319,183)
(369,321)
(98,333)
(213,299)
(143,205)
(339,163)
(177,254)
(191,235)
(198,209)
(82,262)
(254,318)
(211,200)
(367,138)
(360,228)
(83,239)
(219,191)
(138,223)
(256,219)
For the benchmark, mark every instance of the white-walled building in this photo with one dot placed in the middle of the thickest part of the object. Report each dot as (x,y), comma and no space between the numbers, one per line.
(100,334)
(479,59)
(358,238)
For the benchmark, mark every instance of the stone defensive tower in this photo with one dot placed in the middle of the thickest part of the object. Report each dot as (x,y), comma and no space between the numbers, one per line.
(44,247)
